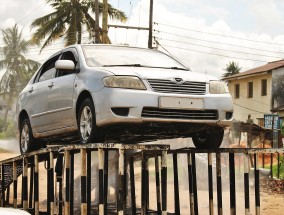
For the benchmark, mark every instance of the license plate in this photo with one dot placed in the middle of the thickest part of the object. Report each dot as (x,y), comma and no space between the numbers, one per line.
(181,103)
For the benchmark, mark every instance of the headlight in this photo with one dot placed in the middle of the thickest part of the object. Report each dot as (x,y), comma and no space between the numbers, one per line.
(217,87)
(129,82)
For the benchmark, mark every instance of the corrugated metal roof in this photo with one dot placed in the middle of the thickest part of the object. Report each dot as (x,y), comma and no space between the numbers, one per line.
(265,68)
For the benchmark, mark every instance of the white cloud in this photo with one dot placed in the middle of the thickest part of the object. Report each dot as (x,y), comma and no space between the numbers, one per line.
(251,20)
(193,46)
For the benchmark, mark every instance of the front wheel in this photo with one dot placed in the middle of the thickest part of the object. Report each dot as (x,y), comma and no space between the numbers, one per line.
(27,141)
(88,131)
(208,139)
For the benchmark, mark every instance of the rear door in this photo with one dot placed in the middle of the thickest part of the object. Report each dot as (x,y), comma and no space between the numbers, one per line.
(37,98)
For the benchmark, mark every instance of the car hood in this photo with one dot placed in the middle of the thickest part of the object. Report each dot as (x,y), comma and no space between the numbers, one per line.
(160,73)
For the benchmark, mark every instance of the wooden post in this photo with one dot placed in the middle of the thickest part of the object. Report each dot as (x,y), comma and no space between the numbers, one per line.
(51,182)
(25,184)
(97,23)
(67,182)
(36,186)
(105,22)
(15,183)
(83,182)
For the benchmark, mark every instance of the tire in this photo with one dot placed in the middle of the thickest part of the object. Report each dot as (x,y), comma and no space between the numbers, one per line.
(27,141)
(208,139)
(88,131)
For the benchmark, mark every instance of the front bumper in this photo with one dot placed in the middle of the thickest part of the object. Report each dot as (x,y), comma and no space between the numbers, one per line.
(135,100)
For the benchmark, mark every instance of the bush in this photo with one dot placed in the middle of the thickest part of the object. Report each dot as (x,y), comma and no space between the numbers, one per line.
(9,132)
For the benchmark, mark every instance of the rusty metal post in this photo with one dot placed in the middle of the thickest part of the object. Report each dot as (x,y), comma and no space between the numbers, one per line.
(89,181)
(246,183)
(15,184)
(121,178)
(51,183)
(256,185)
(194,183)
(36,185)
(25,184)
(31,186)
(232,183)
(176,184)
(71,183)
(59,179)
(105,181)
(190,184)
(271,165)
(210,184)
(143,185)
(2,190)
(83,182)
(158,189)
(67,182)
(219,183)
(132,184)
(164,181)
(101,181)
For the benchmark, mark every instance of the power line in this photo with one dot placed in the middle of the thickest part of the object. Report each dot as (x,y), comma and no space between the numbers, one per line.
(210,41)
(249,108)
(222,35)
(218,48)
(32,11)
(216,54)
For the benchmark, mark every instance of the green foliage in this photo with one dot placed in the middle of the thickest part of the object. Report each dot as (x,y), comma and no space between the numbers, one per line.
(232,68)
(9,132)
(275,168)
(68,20)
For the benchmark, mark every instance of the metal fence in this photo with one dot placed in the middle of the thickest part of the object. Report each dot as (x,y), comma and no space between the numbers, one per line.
(141,177)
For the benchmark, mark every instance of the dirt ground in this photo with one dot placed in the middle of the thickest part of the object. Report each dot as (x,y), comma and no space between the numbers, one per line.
(271,202)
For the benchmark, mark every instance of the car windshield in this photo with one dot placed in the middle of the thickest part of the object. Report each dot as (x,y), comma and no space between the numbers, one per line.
(97,56)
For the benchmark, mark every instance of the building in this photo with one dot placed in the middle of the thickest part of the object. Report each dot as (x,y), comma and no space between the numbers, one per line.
(257,92)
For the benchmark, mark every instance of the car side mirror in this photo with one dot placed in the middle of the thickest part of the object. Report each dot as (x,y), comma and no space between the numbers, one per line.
(64,65)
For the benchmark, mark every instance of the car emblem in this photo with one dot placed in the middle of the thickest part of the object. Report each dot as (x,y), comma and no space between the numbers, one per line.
(178,80)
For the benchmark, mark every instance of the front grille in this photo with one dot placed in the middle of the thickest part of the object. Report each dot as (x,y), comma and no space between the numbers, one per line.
(151,112)
(168,86)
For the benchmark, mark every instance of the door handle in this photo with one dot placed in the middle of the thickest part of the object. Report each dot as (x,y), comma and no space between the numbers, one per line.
(31,90)
(51,85)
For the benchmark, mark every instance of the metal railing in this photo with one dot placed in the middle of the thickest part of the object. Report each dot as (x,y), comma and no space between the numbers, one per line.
(143,176)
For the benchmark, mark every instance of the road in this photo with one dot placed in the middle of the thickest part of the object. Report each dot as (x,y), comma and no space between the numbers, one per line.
(11,145)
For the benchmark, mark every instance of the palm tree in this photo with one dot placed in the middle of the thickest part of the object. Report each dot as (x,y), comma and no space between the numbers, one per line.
(69,18)
(231,69)
(19,69)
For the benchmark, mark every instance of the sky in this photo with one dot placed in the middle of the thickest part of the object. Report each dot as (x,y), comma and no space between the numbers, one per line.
(204,34)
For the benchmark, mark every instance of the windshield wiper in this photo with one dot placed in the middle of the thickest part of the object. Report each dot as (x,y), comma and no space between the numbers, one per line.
(127,65)
(177,68)
(140,65)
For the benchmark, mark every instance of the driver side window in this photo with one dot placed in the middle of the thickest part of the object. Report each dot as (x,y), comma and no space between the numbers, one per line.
(47,71)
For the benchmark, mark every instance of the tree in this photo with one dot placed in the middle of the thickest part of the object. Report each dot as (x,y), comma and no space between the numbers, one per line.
(231,69)
(69,19)
(19,69)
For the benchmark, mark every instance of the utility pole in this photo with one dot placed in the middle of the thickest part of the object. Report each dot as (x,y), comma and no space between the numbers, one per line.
(105,22)
(150,28)
(150,44)
(97,24)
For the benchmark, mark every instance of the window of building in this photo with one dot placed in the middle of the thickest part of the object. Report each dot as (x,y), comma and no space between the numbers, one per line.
(237,91)
(250,89)
(264,87)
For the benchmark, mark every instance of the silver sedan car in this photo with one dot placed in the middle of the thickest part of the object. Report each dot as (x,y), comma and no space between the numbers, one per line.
(106,93)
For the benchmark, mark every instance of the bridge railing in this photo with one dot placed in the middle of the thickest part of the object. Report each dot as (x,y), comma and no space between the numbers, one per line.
(147,179)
